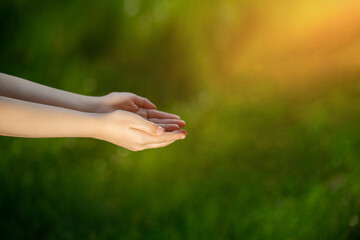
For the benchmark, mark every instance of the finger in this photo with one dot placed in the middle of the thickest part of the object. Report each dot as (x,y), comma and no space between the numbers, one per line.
(159,145)
(148,127)
(169,127)
(165,137)
(181,131)
(142,112)
(143,102)
(151,113)
(179,122)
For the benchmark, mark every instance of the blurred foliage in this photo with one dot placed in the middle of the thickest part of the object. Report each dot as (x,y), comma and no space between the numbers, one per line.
(270,92)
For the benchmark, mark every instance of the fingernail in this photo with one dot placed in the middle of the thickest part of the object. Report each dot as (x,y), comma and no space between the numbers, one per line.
(160,131)
(183,137)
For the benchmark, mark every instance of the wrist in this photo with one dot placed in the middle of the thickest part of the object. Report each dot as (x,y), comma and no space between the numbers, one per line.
(91,104)
(96,125)
(96,105)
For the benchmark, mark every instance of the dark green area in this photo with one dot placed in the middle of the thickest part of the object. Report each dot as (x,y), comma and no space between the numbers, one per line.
(258,163)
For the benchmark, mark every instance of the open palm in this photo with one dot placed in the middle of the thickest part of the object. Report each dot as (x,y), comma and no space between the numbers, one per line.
(141,106)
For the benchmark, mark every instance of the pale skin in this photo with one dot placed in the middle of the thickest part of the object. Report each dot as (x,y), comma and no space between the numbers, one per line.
(32,110)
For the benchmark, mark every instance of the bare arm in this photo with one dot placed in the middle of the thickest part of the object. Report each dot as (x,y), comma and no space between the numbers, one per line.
(18,88)
(22,89)
(26,119)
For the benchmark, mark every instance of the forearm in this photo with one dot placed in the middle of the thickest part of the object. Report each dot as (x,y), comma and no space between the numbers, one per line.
(25,119)
(22,89)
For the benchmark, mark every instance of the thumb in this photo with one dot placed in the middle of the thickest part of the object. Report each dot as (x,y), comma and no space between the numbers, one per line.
(148,127)
(143,102)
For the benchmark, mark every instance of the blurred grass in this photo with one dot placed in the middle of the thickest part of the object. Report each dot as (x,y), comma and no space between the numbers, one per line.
(268,156)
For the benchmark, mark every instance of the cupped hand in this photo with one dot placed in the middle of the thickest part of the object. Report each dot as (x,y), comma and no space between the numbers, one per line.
(141,106)
(131,131)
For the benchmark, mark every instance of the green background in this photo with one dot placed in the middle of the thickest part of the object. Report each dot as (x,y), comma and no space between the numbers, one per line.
(260,161)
